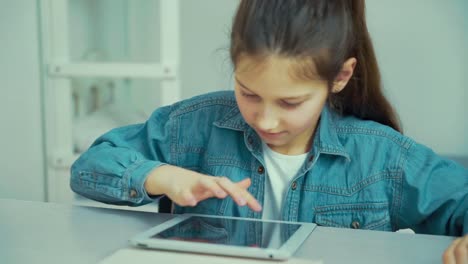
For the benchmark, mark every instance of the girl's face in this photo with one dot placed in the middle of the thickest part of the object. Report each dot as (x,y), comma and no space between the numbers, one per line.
(283,110)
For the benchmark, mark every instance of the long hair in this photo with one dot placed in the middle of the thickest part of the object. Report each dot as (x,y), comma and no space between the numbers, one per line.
(321,35)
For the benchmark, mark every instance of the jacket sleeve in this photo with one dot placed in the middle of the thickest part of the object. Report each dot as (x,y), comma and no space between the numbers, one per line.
(434,199)
(114,169)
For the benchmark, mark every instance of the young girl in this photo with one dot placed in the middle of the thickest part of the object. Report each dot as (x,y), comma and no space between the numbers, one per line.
(307,135)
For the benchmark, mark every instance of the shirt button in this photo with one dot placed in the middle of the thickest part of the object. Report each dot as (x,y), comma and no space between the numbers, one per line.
(355,225)
(294,185)
(133,193)
(311,157)
(260,169)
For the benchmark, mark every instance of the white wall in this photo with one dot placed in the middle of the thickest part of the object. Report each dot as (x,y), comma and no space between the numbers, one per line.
(21,152)
(422,47)
(205,64)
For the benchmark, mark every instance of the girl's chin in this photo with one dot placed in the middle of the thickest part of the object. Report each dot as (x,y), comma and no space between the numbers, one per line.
(271,136)
(275,142)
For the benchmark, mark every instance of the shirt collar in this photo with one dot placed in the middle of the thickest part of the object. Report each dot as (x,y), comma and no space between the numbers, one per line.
(326,140)
(233,120)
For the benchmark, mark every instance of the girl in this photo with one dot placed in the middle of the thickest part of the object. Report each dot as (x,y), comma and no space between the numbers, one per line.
(306,136)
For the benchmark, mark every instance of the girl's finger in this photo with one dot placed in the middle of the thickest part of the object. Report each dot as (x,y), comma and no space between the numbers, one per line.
(251,201)
(185,198)
(245,183)
(461,251)
(449,257)
(210,184)
(238,194)
(203,196)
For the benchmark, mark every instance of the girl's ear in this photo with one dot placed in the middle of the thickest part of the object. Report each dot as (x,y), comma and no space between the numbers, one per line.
(345,74)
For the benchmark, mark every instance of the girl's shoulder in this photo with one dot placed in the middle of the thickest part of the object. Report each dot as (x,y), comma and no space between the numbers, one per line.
(212,104)
(220,100)
(370,131)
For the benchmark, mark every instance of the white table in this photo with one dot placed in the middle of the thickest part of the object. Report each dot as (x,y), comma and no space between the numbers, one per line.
(35,232)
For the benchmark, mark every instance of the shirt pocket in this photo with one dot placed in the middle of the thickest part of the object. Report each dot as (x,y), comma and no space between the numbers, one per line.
(232,167)
(371,216)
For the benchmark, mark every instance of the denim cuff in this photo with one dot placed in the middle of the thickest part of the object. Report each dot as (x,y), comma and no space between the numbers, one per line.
(136,176)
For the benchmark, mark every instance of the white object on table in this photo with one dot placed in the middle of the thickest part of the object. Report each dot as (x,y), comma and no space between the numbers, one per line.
(134,255)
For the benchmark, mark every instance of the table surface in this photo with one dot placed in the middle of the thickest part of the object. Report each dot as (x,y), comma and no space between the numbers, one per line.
(37,232)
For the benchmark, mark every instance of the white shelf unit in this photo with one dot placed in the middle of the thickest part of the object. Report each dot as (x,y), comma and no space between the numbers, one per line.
(59,69)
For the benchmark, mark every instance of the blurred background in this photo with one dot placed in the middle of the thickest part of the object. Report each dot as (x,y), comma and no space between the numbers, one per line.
(73,69)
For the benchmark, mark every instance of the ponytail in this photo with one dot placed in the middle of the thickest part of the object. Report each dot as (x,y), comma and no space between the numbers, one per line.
(363,96)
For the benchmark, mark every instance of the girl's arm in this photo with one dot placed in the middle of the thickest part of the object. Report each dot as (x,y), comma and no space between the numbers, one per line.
(114,169)
(129,165)
(434,199)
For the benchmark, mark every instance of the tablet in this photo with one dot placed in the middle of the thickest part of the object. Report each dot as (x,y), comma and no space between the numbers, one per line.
(232,236)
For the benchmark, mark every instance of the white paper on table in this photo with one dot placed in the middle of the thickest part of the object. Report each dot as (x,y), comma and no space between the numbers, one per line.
(134,255)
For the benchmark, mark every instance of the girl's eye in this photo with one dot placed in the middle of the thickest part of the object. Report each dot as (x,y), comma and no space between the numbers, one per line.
(249,95)
(290,105)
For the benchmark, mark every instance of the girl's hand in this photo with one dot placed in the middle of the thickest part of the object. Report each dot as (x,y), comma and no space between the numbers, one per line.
(457,252)
(188,188)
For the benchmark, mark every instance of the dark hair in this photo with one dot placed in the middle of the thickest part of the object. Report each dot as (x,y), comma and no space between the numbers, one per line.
(321,35)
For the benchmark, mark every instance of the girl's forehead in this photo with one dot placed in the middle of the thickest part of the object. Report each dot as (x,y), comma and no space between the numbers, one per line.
(258,62)
(278,74)
(278,67)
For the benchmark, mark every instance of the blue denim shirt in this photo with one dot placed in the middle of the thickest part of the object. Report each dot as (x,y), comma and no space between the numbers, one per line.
(358,174)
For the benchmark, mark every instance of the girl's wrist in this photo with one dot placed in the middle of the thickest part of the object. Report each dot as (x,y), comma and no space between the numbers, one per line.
(154,184)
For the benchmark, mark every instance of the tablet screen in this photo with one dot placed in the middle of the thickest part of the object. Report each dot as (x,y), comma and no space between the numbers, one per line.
(232,232)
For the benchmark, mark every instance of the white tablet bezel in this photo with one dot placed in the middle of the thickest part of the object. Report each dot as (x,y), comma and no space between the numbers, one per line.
(146,240)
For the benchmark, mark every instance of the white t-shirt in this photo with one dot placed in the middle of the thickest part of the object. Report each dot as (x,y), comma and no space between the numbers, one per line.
(281,170)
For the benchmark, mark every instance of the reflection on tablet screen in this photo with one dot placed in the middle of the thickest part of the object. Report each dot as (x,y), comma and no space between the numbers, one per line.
(234,232)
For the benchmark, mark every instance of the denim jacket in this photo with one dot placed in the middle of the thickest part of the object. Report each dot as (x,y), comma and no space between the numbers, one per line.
(358,174)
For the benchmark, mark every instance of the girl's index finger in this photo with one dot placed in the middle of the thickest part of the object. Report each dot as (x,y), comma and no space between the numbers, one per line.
(253,203)
(239,194)
(245,183)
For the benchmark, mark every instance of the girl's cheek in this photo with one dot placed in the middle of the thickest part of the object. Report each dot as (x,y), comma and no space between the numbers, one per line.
(247,110)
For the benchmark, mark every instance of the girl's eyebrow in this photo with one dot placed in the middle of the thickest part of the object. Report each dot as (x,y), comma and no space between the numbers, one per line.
(241,84)
(284,98)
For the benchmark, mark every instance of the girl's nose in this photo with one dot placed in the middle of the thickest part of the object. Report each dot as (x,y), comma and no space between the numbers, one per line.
(267,120)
